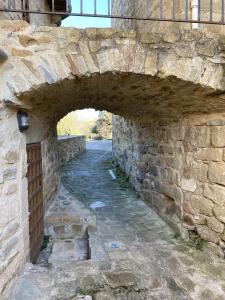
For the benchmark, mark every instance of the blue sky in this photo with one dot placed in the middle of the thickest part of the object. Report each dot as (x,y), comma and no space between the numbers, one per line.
(88,7)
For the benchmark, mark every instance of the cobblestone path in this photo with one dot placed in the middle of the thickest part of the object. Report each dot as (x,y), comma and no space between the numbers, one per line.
(132,253)
(168,268)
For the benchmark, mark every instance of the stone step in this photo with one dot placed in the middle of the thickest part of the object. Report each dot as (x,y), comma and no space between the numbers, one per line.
(65,231)
(69,250)
(97,251)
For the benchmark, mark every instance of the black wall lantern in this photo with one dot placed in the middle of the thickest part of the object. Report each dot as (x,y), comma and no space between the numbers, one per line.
(23,120)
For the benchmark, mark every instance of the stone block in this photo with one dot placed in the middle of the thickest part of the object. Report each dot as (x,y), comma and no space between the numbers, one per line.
(162,203)
(119,279)
(216,122)
(207,48)
(104,296)
(9,173)
(11,157)
(209,154)
(166,148)
(197,171)
(206,234)
(201,205)
(172,191)
(218,136)
(188,184)
(219,213)
(172,36)
(217,173)
(94,46)
(11,189)
(184,50)
(214,192)
(188,221)
(198,136)
(173,161)
(213,249)
(10,245)
(215,225)
(151,63)
(186,206)
(21,52)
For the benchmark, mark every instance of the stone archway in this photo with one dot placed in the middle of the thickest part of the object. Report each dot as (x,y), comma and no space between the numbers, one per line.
(146,78)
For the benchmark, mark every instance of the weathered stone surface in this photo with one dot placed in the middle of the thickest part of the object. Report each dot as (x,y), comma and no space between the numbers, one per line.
(188,184)
(219,213)
(206,48)
(201,205)
(214,250)
(217,173)
(66,69)
(207,234)
(9,173)
(209,154)
(119,279)
(21,52)
(172,36)
(172,191)
(215,192)
(70,148)
(218,134)
(104,296)
(197,170)
(12,156)
(216,122)
(215,225)
(197,136)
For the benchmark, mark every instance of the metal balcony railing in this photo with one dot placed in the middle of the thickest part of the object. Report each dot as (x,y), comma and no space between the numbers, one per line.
(189,11)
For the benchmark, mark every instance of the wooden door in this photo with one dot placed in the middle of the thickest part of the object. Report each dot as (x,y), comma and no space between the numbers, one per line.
(35,197)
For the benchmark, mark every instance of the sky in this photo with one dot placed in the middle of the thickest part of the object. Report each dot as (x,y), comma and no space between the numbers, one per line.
(83,22)
(88,7)
(86,114)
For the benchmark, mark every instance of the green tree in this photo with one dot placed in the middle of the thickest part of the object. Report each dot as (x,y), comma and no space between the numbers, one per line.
(103,126)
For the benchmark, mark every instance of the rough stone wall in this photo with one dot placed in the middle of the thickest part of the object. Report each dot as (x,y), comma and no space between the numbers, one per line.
(138,8)
(14,236)
(37,19)
(14,222)
(70,148)
(178,168)
(13,4)
(52,71)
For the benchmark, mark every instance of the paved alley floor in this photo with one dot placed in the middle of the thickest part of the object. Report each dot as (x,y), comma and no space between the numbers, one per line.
(125,252)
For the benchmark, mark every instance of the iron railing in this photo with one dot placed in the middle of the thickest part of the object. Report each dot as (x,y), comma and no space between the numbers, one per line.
(190,11)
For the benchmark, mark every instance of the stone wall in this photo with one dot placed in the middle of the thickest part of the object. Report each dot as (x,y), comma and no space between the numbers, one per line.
(14,235)
(37,19)
(139,8)
(49,72)
(178,168)
(70,148)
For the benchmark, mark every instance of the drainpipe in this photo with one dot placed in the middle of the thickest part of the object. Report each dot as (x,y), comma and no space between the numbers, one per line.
(194,12)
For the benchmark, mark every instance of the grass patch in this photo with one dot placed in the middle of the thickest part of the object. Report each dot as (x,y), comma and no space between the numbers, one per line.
(200,244)
(177,236)
(194,242)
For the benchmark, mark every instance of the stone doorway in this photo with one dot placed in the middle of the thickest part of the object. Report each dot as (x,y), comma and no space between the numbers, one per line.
(35,199)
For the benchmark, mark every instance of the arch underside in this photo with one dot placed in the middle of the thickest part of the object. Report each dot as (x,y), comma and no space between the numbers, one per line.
(139,97)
